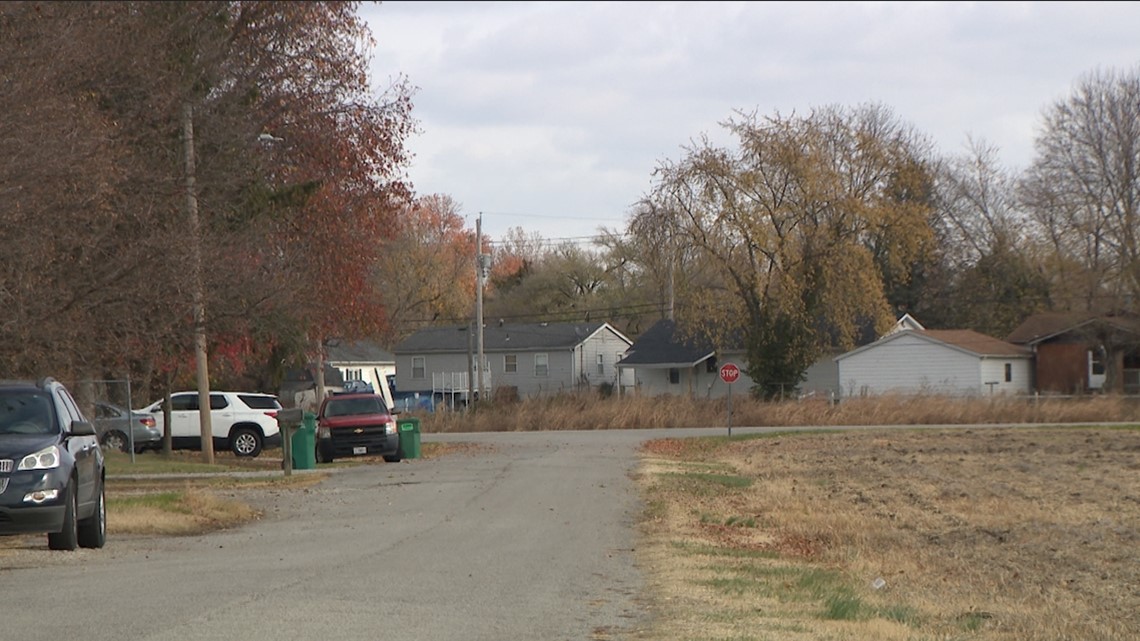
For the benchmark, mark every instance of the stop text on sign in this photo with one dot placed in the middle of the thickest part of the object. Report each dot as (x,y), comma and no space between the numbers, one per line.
(729,373)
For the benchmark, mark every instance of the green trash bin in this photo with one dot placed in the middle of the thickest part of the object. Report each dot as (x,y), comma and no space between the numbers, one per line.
(304,443)
(409,429)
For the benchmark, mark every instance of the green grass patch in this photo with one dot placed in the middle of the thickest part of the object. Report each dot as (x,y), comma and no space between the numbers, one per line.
(700,549)
(740,521)
(703,484)
(845,606)
(973,621)
(152,463)
(903,614)
(165,501)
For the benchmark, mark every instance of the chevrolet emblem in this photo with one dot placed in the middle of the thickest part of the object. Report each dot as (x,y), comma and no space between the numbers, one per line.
(359,430)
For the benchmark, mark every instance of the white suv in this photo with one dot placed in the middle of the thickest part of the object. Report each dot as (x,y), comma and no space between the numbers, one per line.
(242,422)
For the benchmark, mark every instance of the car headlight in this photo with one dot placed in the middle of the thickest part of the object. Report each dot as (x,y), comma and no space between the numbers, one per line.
(45,459)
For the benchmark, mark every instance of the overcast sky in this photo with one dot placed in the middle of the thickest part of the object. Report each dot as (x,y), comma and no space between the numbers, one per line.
(551,116)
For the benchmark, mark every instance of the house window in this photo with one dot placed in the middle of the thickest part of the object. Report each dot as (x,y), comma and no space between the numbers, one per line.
(710,366)
(510,363)
(418,367)
(353,375)
(1008,372)
(601,364)
(541,364)
(674,376)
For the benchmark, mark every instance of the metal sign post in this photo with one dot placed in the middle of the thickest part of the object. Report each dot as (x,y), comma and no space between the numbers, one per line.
(729,373)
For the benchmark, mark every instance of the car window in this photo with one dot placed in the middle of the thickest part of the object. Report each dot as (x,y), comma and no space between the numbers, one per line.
(260,402)
(106,411)
(218,402)
(69,406)
(183,402)
(26,412)
(355,406)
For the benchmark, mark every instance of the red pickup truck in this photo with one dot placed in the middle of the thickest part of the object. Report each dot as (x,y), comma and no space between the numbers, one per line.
(356,424)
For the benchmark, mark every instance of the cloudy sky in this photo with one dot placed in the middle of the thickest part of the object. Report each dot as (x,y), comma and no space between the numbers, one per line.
(551,116)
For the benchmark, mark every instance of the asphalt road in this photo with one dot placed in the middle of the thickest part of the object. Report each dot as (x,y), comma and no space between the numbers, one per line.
(525,536)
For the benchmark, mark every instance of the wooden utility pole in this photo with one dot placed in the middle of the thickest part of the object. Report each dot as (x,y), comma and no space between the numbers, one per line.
(200,355)
(479,269)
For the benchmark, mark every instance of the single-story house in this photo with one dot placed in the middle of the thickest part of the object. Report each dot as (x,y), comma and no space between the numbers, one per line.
(1075,350)
(663,361)
(361,361)
(299,386)
(957,362)
(519,360)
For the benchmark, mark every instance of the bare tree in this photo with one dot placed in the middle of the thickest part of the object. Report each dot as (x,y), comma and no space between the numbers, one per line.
(1083,191)
(995,276)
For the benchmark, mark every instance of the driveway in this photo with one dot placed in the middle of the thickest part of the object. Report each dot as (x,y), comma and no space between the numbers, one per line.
(516,536)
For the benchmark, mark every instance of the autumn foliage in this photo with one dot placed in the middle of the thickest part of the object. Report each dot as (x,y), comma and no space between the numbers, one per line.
(297,171)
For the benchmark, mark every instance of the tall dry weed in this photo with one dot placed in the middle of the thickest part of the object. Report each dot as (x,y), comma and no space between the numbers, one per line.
(590,412)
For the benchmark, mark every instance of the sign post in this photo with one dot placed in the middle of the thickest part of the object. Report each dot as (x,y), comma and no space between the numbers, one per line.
(729,373)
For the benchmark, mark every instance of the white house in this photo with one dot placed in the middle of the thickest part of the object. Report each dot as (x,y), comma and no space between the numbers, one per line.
(361,361)
(954,362)
(520,360)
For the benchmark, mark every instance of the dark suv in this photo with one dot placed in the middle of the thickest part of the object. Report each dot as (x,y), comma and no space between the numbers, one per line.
(356,424)
(51,467)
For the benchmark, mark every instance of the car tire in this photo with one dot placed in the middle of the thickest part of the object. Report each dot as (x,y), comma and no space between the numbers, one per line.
(320,457)
(68,537)
(393,458)
(92,531)
(245,442)
(116,440)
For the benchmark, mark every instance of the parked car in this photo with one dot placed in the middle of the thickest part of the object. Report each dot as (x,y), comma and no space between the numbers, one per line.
(242,422)
(51,467)
(116,430)
(355,424)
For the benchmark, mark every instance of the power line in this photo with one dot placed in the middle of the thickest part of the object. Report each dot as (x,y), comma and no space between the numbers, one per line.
(626,310)
(595,239)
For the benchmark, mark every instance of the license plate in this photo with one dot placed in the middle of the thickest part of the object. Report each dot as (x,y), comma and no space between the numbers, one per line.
(359,450)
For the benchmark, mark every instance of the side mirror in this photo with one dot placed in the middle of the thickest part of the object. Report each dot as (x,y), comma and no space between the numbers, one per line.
(82,428)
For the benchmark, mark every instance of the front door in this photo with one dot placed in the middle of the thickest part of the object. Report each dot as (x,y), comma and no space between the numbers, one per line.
(1096,369)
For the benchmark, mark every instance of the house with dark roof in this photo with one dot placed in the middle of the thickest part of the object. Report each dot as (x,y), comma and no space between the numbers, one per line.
(664,361)
(519,360)
(955,362)
(1078,352)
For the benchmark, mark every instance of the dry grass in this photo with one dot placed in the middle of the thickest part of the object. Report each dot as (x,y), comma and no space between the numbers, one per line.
(191,510)
(589,412)
(997,534)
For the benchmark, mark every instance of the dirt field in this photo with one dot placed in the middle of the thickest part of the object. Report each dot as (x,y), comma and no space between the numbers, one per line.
(991,533)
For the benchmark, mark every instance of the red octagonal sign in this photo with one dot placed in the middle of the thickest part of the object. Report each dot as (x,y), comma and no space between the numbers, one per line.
(729,373)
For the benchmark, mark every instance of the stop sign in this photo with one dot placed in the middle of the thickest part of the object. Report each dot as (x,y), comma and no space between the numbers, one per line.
(729,373)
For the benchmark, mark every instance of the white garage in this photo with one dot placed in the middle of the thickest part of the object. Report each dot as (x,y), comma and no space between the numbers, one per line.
(953,362)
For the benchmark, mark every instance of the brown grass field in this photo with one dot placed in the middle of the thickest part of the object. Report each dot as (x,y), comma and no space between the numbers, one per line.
(992,533)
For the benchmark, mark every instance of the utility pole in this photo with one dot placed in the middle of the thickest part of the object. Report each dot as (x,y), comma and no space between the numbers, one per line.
(479,269)
(200,356)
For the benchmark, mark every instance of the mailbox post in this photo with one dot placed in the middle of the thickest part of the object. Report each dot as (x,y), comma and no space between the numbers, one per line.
(288,421)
